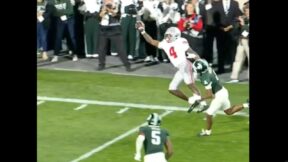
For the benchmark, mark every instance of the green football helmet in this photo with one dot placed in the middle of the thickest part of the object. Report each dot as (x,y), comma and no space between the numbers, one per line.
(201,66)
(154,119)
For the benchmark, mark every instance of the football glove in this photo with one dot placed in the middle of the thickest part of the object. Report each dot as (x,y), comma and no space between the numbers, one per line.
(193,99)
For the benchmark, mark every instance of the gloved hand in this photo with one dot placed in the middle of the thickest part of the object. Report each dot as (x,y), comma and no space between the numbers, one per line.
(203,103)
(193,99)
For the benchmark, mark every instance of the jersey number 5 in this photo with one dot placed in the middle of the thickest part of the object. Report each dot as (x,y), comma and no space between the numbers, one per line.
(172,52)
(155,137)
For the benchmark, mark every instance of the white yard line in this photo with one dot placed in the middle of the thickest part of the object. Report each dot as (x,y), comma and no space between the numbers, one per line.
(123,110)
(123,104)
(40,102)
(97,149)
(81,107)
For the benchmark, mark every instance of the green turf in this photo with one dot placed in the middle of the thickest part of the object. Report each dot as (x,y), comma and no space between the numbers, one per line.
(64,134)
(108,87)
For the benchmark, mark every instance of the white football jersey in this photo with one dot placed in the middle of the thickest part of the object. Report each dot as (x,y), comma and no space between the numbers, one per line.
(176,51)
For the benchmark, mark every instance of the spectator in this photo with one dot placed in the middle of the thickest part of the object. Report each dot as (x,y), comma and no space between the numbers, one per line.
(64,18)
(243,46)
(128,21)
(227,11)
(90,10)
(149,17)
(199,8)
(110,29)
(140,44)
(191,27)
(209,30)
(181,7)
(44,11)
(169,16)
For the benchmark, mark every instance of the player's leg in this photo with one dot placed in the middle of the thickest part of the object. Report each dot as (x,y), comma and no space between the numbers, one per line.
(210,112)
(174,84)
(224,95)
(189,80)
(186,70)
(236,108)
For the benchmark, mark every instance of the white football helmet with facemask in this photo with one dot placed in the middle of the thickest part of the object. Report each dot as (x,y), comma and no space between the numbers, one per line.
(172,34)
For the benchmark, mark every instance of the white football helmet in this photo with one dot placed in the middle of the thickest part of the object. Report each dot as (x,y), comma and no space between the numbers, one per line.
(172,34)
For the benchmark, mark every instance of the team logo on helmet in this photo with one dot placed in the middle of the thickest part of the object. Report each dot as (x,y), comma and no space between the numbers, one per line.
(154,119)
(201,66)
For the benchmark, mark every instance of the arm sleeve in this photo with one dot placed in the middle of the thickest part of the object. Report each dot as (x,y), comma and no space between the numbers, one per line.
(139,143)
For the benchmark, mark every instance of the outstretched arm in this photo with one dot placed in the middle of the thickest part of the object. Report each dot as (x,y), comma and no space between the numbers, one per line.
(141,27)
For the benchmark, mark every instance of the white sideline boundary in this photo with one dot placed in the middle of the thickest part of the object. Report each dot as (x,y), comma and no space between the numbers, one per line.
(131,131)
(123,104)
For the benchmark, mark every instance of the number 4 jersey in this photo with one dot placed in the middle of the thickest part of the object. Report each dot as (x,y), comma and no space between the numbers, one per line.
(155,138)
(176,51)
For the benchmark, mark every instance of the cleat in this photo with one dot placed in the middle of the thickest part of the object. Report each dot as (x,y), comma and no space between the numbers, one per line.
(193,106)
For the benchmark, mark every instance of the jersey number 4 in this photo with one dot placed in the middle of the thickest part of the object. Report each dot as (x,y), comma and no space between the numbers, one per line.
(155,137)
(172,52)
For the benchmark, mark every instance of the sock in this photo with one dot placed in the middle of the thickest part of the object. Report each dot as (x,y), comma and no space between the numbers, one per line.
(246,105)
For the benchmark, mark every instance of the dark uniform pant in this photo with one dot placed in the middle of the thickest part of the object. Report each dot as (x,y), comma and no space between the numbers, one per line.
(112,33)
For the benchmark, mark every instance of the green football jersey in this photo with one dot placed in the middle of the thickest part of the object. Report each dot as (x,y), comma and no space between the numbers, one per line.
(210,80)
(155,138)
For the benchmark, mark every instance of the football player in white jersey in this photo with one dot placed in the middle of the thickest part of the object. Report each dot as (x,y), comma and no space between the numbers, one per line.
(175,47)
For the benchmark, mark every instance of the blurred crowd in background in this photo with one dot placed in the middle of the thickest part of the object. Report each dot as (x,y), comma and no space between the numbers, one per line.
(218,30)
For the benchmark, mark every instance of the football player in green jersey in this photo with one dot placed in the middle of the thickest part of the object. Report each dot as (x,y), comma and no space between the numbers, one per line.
(154,139)
(215,91)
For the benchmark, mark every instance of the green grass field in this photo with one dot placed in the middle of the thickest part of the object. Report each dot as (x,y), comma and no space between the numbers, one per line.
(64,134)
